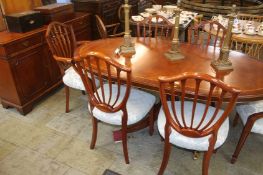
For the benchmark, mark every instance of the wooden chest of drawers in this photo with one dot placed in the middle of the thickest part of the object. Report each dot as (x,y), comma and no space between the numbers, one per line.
(106,9)
(27,68)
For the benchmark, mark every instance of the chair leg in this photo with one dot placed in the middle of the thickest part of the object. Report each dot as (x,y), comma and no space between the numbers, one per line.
(207,156)
(151,123)
(124,144)
(94,132)
(67,98)
(245,132)
(235,121)
(166,155)
(83,92)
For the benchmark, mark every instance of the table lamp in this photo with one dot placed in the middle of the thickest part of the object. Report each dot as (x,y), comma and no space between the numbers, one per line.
(223,62)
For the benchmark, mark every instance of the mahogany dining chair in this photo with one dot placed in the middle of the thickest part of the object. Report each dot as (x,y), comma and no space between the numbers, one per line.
(251,115)
(207,33)
(190,124)
(107,31)
(115,102)
(62,44)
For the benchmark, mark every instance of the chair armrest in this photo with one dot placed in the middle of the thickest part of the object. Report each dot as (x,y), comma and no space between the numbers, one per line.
(116,34)
(115,27)
(62,59)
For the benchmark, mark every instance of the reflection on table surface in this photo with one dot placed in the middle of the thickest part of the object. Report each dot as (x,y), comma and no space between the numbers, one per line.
(149,63)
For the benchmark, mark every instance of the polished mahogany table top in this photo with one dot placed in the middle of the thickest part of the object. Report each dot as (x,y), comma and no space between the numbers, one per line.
(149,63)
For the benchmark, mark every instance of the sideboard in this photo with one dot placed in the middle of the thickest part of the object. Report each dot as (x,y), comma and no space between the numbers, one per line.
(27,68)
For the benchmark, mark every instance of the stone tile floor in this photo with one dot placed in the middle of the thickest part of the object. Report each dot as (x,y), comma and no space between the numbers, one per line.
(49,141)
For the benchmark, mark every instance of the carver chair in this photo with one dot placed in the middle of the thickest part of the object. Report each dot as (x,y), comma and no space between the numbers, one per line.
(62,44)
(107,31)
(190,124)
(155,26)
(207,33)
(251,115)
(115,102)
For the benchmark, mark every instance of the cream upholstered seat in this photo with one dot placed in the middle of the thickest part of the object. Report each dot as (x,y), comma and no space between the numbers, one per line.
(198,144)
(251,115)
(247,109)
(138,105)
(72,79)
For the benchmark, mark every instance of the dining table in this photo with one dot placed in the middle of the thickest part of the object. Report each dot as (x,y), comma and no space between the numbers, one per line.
(149,62)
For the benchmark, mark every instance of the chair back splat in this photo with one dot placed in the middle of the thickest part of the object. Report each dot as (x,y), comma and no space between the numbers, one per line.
(62,43)
(207,33)
(109,73)
(155,26)
(198,126)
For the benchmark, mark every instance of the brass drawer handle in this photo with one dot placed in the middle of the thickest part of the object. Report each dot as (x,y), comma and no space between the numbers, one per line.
(25,43)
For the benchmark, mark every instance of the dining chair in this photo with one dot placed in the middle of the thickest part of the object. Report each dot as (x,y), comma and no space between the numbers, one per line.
(106,31)
(115,102)
(62,44)
(190,124)
(249,47)
(207,33)
(251,115)
(250,17)
(155,26)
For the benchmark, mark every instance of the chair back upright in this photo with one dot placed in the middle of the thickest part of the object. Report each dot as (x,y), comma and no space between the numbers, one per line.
(197,124)
(207,33)
(101,27)
(62,43)
(109,73)
(155,26)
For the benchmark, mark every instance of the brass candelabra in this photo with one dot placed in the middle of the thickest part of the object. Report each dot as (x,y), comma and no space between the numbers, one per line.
(223,62)
(128,47)
(174,53)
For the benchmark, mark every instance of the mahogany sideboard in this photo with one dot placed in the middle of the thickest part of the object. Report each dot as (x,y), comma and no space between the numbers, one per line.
(27,68)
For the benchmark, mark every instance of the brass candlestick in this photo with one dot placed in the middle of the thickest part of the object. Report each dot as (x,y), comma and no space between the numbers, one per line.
(128,47)
(174,53)
(223,62)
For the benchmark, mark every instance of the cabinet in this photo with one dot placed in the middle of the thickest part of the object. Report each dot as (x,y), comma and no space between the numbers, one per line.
(106,9)
(27,68)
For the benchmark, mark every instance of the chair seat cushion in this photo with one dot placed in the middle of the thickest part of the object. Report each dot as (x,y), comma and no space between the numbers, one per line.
(138,105)
(72,79)
(198,144)
(247,109)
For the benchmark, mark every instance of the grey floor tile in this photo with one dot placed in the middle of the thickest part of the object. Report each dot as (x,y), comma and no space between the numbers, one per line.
(24,161)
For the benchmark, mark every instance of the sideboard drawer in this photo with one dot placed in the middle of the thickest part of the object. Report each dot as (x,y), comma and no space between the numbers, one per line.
(20,46)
